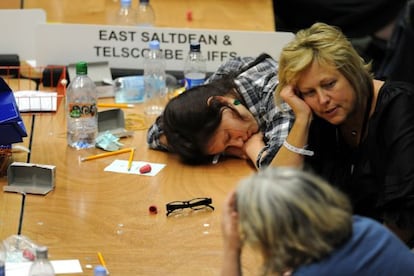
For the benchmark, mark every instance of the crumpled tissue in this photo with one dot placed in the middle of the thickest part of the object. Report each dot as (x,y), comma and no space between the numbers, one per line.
(107,141)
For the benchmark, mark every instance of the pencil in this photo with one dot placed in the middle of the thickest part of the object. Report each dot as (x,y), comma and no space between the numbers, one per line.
(119,105)
(101,155)
(131,157)
(102,262)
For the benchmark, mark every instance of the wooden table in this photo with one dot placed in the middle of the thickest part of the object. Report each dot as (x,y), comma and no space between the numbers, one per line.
(91,210)
(212,14)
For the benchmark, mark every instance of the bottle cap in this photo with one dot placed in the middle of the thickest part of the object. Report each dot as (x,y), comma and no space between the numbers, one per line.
(125,2)
(99,270)
(154,45)
(195,47)
(81,68)
(144,1)
(41,252)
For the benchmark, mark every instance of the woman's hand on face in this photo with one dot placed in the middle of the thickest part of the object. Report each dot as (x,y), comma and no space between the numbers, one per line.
(231,237)
(230,223)
(250,149)
(293,99)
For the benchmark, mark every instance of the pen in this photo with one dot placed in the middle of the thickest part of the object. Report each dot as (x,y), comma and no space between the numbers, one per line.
(120,105)
(102,261)
(131,156)
(93,157)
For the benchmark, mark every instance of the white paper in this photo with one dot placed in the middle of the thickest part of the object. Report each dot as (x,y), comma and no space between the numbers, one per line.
(121,166)
(28,100)
(66,266)
(60,267)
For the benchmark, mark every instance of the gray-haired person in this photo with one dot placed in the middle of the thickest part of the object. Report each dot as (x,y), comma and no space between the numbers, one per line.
(301,225)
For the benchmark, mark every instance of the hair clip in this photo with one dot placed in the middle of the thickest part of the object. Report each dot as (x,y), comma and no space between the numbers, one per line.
(236,102)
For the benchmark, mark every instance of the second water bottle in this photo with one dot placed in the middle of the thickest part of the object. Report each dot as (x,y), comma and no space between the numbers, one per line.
(194,67)
(154,80)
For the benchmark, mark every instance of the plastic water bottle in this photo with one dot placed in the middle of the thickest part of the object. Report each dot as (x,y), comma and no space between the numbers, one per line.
(154,80)
(145,14)
(194,67)
(81,109)
(126,15)
(41,266)
(3,256)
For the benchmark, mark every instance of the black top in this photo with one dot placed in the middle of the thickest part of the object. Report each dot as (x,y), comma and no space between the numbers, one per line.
(378,176)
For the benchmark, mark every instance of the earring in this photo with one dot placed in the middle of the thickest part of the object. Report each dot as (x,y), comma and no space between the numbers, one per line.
(236,102)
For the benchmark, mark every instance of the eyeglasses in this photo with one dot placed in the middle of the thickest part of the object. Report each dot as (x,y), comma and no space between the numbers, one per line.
(194,204)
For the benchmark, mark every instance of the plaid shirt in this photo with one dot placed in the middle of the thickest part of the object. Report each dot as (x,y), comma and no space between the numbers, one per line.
(257,86)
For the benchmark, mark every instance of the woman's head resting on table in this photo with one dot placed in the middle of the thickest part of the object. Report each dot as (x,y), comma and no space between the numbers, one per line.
(291,217)
(207,120)
(324,69)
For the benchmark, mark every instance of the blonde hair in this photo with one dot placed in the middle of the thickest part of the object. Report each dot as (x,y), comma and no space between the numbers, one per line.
(328,46)
(291,217)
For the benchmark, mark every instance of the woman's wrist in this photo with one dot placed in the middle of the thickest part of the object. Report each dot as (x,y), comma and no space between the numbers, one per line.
(303,120)
(230,249)
(231,263)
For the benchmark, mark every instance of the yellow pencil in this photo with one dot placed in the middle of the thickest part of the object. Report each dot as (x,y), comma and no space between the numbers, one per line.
(131,156)
(119,105)
(102,262)
(101,155)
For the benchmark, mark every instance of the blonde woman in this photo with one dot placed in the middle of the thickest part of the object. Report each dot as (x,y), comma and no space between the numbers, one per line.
(301,225)
(352,129)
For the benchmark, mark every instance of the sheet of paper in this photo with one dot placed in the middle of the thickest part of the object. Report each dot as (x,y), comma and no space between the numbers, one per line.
(121,166)
(28,100)
(67,266)
(60,267)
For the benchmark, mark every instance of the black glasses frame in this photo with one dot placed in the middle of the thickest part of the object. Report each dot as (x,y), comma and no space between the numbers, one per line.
(194,204)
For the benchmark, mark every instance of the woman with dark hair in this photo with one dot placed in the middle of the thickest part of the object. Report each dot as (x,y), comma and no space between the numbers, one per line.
(233,113)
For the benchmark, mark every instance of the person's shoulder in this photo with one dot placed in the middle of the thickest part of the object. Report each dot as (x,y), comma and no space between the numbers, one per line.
(368,233)
(364,222)
(397,87)
(232,66)
(372,233)
(393,90)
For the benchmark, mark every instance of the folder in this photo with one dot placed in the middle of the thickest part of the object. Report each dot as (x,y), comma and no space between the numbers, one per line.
(12,129)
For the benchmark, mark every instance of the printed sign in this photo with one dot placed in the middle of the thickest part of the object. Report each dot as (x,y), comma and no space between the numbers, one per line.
(125,46)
